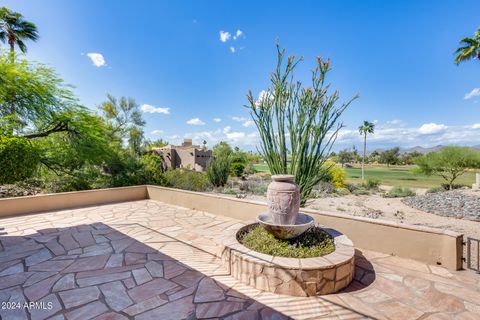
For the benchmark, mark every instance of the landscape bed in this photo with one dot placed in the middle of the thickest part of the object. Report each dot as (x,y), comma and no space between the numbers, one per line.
(294,276)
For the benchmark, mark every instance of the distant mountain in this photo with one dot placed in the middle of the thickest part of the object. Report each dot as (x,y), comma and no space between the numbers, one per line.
(424,150)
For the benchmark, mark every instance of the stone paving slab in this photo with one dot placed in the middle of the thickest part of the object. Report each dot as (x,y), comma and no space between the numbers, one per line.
(148,260)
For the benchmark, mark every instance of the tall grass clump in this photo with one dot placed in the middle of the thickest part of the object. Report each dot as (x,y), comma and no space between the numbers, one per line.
(298,125)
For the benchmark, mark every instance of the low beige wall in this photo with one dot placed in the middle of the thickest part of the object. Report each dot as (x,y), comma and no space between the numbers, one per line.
(429,245)
(68,200)
(432,246)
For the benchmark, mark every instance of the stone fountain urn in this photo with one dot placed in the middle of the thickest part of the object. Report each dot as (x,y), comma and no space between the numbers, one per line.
(283,198)
(283,219)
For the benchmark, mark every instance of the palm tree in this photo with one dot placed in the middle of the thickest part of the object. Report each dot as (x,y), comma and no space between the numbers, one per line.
(365,128)
(14,30)
(470,48)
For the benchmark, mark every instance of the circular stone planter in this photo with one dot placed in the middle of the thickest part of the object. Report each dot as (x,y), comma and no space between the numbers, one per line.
(291,276)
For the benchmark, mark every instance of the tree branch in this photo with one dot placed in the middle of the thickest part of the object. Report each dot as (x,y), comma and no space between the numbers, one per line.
(59,127)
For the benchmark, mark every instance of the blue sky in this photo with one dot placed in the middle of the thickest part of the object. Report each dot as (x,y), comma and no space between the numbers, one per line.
(398,55)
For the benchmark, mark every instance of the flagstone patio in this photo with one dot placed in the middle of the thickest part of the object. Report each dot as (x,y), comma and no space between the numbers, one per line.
(149,260)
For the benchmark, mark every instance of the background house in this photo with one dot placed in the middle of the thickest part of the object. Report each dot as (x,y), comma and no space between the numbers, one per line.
(187,156)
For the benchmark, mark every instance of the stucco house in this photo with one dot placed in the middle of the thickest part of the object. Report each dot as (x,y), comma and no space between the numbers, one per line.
(187,156)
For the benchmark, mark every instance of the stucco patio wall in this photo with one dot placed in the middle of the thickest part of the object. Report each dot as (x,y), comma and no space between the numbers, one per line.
(69,200)
(429,245)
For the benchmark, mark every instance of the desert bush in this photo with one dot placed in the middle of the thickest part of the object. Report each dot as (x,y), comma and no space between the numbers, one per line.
(360,190)
(435,190)
(19,159)
(152,169)
(218,171)
(229,191)
(371,184)
(237,168)
(453,186)
(323,189)
(336,173)
(186,179)
(399,192)
(259,190)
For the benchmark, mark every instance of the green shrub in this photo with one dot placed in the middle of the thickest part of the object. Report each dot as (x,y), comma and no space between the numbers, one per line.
(152,169)
(435,190)
(186,179)
(218,171)
(313,243)
(400,192)
(237,168)
(19,159)
(259,190)
(371,184)
(360,190)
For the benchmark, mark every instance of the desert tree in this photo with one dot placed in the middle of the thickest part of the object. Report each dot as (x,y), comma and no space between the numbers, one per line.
(389,156)
(297,125)
(365,129)
(449,163)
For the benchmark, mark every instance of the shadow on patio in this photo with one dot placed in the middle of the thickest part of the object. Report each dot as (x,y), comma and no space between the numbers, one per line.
(121,271)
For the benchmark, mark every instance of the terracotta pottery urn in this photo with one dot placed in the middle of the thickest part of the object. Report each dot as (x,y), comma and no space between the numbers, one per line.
(283,198)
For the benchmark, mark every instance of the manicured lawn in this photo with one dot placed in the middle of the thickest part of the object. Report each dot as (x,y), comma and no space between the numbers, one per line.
(261,167)
(395,176)
(403,176)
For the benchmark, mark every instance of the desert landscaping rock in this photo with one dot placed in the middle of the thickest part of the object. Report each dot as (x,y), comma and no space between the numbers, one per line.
(457,203)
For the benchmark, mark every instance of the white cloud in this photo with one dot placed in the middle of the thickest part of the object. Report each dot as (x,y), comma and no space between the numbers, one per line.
(248,123)
(432,128)
(238,34)
(232,49)
(157,132)
(236,138)
(97,59)
(196,122)
(474,93)
(151,109)
(224,36)
(239,119)
(395,122)
(262,96)
(217,120)
(402,136)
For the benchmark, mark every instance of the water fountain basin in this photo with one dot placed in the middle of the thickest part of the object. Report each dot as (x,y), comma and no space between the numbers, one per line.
(287,231)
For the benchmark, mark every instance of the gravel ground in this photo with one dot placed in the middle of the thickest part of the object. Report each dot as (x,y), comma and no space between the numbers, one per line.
(375,206)
(461,204)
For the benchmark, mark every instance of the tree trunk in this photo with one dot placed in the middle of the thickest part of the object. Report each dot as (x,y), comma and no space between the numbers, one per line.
(11,42)
(364,153)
